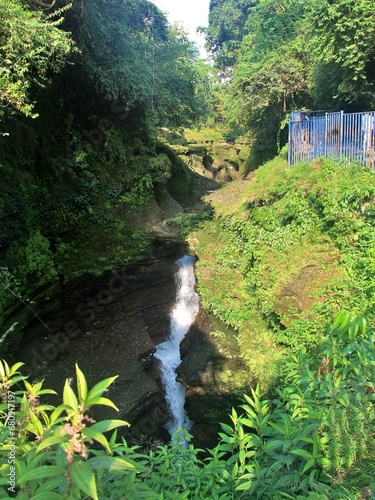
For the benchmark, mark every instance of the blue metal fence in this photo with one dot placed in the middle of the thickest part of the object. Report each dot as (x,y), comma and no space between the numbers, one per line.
(339,135)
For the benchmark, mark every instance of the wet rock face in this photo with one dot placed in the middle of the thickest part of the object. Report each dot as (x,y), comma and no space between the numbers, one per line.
(110,326)
(199,355)
(207,370)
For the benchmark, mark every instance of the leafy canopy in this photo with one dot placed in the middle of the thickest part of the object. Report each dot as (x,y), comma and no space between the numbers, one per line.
(31,45)
(286,55)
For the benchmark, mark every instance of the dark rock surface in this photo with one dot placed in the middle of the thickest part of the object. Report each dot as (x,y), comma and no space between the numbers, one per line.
(110,326)
(214,375)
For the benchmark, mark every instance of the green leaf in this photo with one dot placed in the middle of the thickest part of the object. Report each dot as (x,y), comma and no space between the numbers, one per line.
(244,486)
(81,385)
(4,433)
(98,437)
(353,329)
(308,464)
(61,457)
(250,422)
(35,426)
(50,442)
(235,471)
(98,390)
(51,485)
(40,473)
(83,476)
(301,453)
(284,481)
(4,368)
(272,444)
(113,439)
(362,323)
(108,425)
(47,391)
(104,402)
(69,397)
(226,428)
(110,463)
(14,368)
(50,495)
(341,321)
(39,458)
(54,417)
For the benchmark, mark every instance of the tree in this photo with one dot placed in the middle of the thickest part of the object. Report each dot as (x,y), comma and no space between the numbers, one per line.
(271,75)
(31,45)
(135,56)
(341,39)
(178,96)
(227,20)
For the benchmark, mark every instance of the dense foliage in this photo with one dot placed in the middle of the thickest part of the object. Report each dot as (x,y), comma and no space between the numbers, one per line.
(83,87)
(31,44)
(288,55)
(226,28)
(312,438)
(285,250)
(138,58)
(342,40)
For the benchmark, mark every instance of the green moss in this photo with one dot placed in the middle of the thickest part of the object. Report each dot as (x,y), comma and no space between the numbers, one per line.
(204,134)
(106,250)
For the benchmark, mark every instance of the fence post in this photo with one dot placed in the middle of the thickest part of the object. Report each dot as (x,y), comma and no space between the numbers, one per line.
(341,132)
(325,133)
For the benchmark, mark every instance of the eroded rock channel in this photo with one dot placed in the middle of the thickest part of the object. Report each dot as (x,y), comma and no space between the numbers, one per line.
(110,325)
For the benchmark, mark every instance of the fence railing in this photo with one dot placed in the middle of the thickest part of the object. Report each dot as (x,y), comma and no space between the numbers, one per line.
(342,136)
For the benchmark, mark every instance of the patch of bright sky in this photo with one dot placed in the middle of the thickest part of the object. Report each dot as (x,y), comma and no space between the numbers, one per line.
(190,13)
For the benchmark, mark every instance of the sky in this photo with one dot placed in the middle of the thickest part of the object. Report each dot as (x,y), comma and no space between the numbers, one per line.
(191,13)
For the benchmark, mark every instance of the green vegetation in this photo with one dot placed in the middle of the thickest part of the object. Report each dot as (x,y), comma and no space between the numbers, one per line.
(286,250)
(31,45)
(83,90)
(286,55)
(312,438)
(109,123)
(226,29)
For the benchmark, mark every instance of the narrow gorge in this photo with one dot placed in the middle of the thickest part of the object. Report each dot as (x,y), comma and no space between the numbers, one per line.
(166,262)
(168,352)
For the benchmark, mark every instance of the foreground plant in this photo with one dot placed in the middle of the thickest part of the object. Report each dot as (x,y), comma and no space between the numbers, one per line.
(53,458)
(313,437)
(316,435)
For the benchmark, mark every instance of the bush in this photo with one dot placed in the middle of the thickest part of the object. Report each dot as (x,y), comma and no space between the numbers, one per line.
(313,438)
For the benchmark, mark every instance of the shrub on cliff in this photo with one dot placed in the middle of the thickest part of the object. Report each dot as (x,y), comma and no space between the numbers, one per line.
(286,249)
(31,45)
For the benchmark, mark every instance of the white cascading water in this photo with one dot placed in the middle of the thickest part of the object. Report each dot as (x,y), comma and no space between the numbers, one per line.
(168,353)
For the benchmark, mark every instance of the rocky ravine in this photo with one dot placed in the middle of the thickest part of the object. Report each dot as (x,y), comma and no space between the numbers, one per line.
(215,377)
(110,326)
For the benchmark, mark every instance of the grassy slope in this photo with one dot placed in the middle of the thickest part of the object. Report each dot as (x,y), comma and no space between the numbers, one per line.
(286,249)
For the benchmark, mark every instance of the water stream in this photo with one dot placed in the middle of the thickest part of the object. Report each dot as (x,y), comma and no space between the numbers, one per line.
(185,309)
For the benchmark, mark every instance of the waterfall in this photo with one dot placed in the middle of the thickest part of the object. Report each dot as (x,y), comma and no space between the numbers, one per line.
(185,309)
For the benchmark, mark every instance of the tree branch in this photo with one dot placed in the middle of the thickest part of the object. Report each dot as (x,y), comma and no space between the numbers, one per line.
(41,4)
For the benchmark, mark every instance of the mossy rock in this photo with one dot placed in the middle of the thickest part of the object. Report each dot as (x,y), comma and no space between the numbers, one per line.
(196,150)
(180,150)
